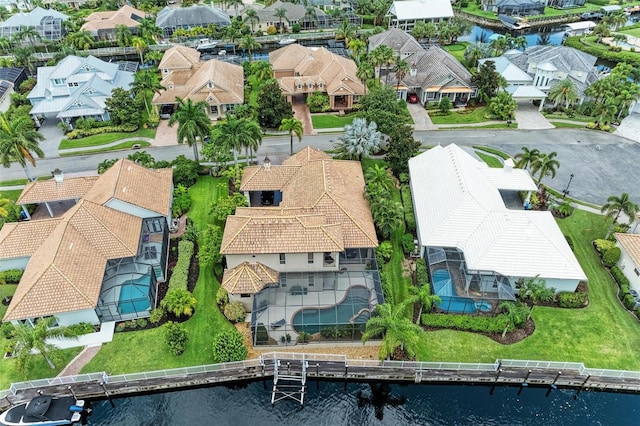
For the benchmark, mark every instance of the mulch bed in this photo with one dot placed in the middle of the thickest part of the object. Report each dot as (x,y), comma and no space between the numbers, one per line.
(515,336)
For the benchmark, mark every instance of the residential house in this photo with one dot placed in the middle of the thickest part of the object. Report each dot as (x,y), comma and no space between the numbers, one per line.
(220,84)
(531,74)
(479,242)
(198,15)
(629,262)
(77,87)
(10,80)
(103,24)
(295,14)
(47,22)
(100,260)
(404,14)
(303,70)
(434,73)
(566,4)
(515,7)
(302,256)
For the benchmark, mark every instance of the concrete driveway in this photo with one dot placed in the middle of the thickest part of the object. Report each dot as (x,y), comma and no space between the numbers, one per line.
(630,127)
(528,117)
(420,117)
(52,138)
(166,135)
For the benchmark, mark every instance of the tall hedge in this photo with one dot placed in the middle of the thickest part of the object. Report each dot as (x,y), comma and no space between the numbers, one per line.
(468,323)
(409,214)
(180,273)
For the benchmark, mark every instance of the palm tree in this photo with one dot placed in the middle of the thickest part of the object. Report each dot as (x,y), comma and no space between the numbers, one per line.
(617,205)
(153,56)
(249,44)
(149,31)
(4,203)
(281,13)
(545,165)
(5,44)
(140,45)
(346,31)
(193,123)
(292,126)
(310,16)
(397,330)
(34,339)
(357,47)
(400,69)
(360,138)
(237,133)
(422,294)
(365,72)
(179,301)
(146,82)
(619,38)
(563,92)
(251,16)
(123,35)
(18,139)
(626,98)
(382,55)
(601,30)
(606,110)
(527,157)
(378,176)
(235,4)
(232,33)
(28,33)
(388,216)
(81,39)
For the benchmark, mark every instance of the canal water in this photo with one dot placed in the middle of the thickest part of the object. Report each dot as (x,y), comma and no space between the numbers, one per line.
(331,404)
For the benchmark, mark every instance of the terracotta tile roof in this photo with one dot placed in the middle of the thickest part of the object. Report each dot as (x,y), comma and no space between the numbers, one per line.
(312,66)
(22,239)
(65,273)
(110,19)
(179,57)
(631,244)
(50,190)
(136,185)
(320,187)
(280,234)
(249,278)
(214,82)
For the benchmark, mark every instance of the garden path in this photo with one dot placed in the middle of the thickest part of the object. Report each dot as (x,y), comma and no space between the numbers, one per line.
(82,359)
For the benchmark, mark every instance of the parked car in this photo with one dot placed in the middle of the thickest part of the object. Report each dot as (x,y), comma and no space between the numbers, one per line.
(166,111)
(412,98)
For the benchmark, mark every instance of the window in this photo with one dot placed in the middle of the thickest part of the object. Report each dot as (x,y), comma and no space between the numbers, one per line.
(74,84)
(283,280)
(210,85)
(309,258)
(312,280)
(166,71)
(245,295)
(58,81)
(283,259)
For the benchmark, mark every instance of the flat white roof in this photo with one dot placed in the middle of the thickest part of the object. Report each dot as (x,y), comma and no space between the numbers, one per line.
(458,204)
(584,25)
(421,9)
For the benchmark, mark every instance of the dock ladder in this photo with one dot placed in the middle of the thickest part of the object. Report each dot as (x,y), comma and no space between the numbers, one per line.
(289,382)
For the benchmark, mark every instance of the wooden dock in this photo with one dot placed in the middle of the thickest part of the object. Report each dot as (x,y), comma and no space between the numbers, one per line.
(330,367)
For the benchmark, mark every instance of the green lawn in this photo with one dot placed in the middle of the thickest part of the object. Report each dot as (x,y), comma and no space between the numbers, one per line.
(563,125)
(145,350)
(631,31)
(490,160)
(457,49)
(563,116)
(123,145)
(105,138)
(602,335)
(330,121)
(491,150)
(488,126)
(471,115)
(12,195)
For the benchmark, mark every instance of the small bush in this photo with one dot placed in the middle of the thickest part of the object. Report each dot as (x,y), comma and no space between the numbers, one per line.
(619,276)
(156,315)
(175,337)
(611,256)
(572,300)
(422,276)
(142,322)
(386,287)
(132,324)
(603,245)
(222,297)
(569,241)
(12,276)
(180,273)
(121,326)
(179,301)
(628,301)
(228,346)
(8,330)
(384,251)
(407,243)
(235,312)
(495,324)
(303,337)
(80,329)
(83,133)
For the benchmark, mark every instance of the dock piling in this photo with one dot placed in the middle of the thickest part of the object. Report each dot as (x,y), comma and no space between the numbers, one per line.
(524,383)
(72,392)
(106,393)
(493,387)
(581,386)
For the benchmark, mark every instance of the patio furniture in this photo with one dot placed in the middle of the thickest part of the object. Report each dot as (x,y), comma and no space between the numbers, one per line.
(278,324)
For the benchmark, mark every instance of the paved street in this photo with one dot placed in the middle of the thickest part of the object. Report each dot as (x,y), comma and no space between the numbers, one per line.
(602,164)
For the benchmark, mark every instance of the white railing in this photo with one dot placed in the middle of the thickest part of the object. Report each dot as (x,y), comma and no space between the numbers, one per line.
(548,365)
(80,378)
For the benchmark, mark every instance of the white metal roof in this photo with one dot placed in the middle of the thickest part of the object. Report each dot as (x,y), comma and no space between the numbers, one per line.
(526,92)
(421,9)
(583,25)
(457,204)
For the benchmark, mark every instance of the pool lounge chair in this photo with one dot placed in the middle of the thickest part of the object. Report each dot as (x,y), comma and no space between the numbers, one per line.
(278,324)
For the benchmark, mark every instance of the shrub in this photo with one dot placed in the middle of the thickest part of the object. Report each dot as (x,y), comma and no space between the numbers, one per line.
(569,242)
(175,337)
(83,133)
(603,245)
(185,171)
(409,215)
(303,337)
(179,301)
(386,287)
(222,297)
(180,273)
(131,324)
(228,346)
(156,315)
(295,28)
(181,201)
(495,324)
(422,276)
(407,243)
(235,312)
(384,251)
(572,300)
(271,30)
(619,276)
(120,327)
(318,102)
(611,256)
(628,301)
(80,329)
(12,276)
(8,330)
(190,232)
(142,322)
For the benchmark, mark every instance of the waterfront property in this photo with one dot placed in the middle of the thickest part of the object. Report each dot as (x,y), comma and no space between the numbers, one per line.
(103,24)
(78,87)
(198,15)
(479,242)
(10,80)
(217,83)
(99,257)
(46,22)
(515,7)
(301,257)
(629,262)
(304,70)
(406,13)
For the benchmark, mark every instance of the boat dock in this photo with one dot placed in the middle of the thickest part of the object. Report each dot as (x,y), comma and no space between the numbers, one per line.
(291,371)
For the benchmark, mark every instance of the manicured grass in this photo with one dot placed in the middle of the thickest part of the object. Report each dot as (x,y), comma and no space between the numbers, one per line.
(602,335)
(330,121)
(487,126)
(123,145)
(563,125)
(490,160)
(471,115)
(635,32)
(558,195)
(6,290)
(145,350)
(457,49)
(494,151)
(11,195)
(21,181)
(563,116)
(105,138)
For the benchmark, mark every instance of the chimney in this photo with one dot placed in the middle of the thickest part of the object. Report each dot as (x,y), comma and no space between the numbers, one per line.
(413,71)
(267,164)
(58,175)
(508,165)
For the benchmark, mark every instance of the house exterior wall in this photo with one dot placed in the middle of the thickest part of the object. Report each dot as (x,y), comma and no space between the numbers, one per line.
(15,263)
(293,262)
(75,317)
(131,209)
(630,269)
(247,302)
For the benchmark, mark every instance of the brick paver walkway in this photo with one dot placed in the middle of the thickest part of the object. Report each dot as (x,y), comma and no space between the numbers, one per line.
(83,358)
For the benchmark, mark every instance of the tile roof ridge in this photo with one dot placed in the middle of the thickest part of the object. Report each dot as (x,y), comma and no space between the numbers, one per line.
(352,219)
(107,228)
(240,229)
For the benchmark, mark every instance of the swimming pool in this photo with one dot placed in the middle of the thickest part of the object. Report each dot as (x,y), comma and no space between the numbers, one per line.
(354,308)
(134,295)
(449,301)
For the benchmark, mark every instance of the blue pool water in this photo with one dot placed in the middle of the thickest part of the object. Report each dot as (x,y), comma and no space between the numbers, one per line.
(312,320)
(449,302)
(134,295)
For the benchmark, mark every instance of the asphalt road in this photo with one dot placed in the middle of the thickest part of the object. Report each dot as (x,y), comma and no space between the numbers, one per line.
(602,164)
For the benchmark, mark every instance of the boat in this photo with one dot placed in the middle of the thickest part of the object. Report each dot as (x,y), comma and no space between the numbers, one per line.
(205,43)
(45,410)
(287,40)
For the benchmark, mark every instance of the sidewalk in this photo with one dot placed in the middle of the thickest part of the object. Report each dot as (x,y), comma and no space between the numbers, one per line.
(75,365)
